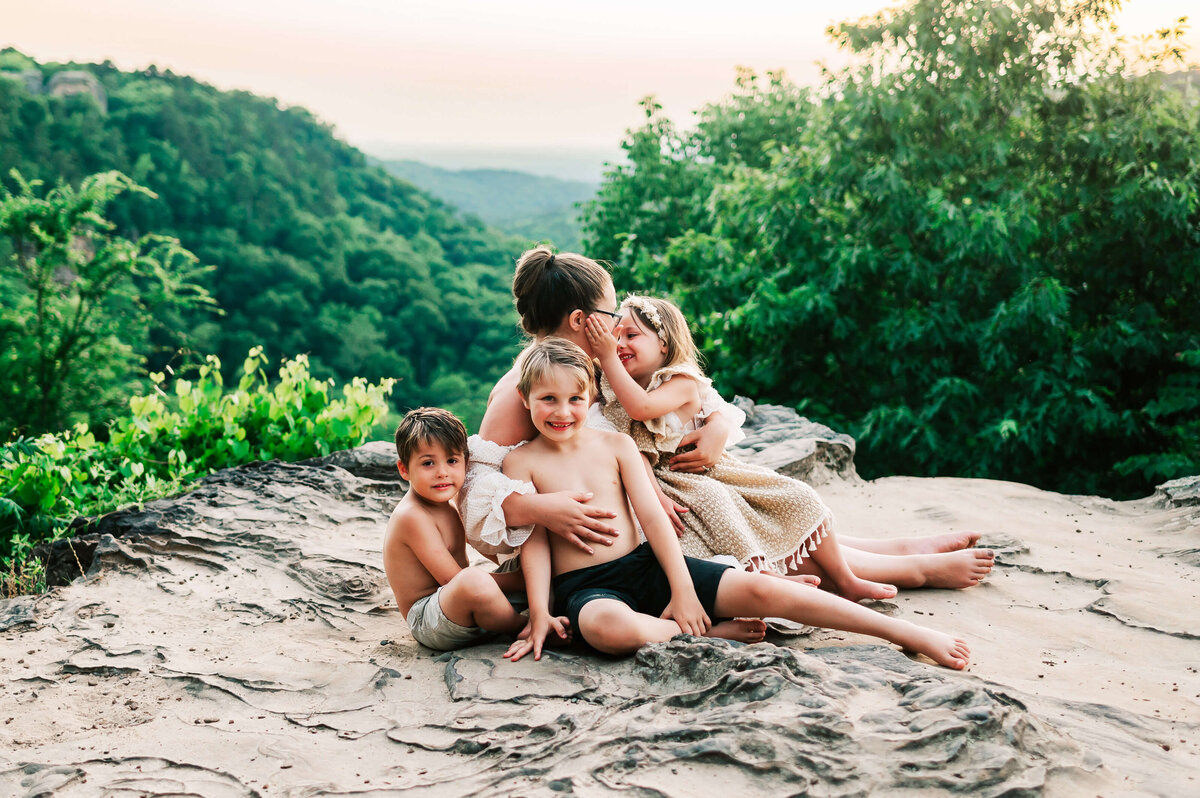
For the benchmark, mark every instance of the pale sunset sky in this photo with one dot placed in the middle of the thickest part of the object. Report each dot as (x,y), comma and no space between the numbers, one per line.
(405,78)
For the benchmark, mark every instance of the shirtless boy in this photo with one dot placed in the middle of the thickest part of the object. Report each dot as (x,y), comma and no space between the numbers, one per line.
(627,595)
(447,604)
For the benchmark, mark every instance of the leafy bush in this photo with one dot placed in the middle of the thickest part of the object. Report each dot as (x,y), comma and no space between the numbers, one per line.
(177,433)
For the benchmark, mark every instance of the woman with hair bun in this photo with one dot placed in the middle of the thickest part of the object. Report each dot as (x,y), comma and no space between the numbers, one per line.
(554,295)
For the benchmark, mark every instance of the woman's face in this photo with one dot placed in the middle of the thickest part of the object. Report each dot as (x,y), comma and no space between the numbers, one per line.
(573,324)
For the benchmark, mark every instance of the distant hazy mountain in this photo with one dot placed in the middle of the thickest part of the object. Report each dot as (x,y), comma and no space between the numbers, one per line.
(532,206)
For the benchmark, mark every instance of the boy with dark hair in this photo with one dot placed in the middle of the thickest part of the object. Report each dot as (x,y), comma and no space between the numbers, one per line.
(447,604)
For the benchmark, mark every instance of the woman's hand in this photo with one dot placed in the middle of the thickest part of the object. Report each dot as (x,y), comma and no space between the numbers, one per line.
(600,338)
(674,511)
(688,613)
(568,515)
(709,441)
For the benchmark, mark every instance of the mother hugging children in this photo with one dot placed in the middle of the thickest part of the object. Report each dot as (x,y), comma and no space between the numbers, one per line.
(773,526)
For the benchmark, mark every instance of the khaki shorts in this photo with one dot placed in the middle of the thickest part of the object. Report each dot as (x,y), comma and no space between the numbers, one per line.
(431,628)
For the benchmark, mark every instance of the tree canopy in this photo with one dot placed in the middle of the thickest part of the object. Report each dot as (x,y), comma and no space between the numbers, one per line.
(314,251)
(977,248)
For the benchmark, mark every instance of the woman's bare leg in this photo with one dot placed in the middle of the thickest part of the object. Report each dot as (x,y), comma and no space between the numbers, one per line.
(930,544)
(951,569)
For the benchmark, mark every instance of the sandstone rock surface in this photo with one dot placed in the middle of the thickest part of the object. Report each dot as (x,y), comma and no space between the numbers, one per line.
(240,640)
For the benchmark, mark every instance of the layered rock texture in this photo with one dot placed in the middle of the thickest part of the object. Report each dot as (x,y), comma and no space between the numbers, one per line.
(241,640)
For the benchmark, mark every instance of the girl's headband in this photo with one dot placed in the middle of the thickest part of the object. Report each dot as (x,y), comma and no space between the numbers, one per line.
(646,310)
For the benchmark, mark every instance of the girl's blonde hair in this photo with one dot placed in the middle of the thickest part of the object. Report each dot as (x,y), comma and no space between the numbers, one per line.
(667,322)
(540,359)
(547,287)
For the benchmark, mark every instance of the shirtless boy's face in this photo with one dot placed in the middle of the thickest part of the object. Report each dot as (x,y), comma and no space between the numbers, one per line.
(558,404)
(433,473)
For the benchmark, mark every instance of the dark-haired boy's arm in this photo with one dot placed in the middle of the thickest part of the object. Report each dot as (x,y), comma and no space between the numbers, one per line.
(421,535)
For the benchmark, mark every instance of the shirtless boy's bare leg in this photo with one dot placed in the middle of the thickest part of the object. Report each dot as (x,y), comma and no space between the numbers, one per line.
(613,627)
(741,593)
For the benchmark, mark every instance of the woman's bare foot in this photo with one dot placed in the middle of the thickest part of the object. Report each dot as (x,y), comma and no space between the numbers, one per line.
(931,544)
(743,630)
(942,648)
(957,569)
(857,589)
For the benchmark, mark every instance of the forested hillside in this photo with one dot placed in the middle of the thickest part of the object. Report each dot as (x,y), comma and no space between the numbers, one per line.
(977,249)
(536,207)
(314,250)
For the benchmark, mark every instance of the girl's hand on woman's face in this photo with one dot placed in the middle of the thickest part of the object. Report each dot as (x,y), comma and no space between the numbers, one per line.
(600,337)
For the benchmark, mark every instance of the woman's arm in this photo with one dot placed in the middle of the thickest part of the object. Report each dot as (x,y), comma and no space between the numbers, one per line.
(565,513)
(709,441)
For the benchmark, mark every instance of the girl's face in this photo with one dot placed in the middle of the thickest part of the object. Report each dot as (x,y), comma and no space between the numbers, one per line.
(558,404)
(639,348)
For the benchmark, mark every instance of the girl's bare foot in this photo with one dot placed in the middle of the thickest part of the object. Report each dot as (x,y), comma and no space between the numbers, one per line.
(743,630)
(942,648)
(958,569)
(808,580)
(857,589)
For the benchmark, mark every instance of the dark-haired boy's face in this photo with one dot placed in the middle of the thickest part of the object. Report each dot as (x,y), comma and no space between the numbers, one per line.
(433,473)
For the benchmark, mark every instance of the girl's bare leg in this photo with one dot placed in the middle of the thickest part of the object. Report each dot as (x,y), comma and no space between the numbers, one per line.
(951,569)
(837,574)
(931,544)
(741,593)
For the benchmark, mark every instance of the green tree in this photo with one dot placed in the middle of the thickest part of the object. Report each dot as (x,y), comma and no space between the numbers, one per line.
(77,303)
(977,248)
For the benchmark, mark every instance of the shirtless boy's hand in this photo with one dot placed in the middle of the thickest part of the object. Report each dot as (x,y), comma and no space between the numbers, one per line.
(688,614)
(533,636)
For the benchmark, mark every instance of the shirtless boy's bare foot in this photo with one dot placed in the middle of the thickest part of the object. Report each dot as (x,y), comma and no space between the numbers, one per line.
(743,630)
(942,648)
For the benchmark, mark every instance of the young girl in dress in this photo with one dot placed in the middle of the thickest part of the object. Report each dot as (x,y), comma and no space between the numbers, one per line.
(652,389)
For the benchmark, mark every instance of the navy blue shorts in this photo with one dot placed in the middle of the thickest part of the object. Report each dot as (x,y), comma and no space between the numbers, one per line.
(636,580)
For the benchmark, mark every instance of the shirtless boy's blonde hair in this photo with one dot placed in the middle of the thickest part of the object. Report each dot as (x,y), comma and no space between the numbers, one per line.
(554,353)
